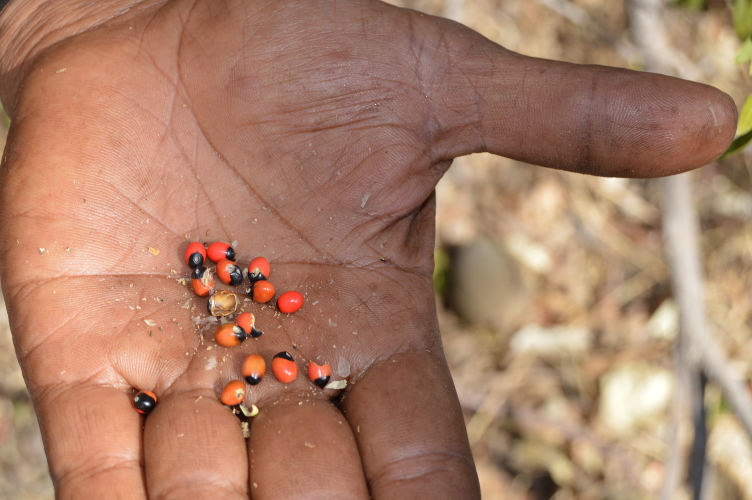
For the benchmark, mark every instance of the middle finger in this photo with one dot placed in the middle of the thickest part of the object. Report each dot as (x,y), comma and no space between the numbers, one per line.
(301,445)
(194,446)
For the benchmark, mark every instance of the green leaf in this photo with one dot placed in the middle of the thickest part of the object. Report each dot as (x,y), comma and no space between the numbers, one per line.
(745,117)
(742,18)
(737,144)
(743,129)
(745,52)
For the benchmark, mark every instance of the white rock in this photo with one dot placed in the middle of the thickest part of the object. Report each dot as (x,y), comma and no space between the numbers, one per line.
(551,341)
(532,254)
(633,395)
(664,323)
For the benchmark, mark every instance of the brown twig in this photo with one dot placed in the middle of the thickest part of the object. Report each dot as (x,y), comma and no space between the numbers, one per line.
(697,351)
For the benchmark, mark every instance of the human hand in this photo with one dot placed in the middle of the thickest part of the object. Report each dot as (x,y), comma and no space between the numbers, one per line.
(312,133)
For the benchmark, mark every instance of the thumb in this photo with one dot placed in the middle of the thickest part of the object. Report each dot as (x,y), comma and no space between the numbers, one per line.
(589,119)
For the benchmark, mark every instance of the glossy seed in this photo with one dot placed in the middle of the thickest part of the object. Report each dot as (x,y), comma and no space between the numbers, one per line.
(220,250)
(229,335)
(319,375)
(195,254)
(254,369)
(259,269)
(246,321)
(262,292)
(290,302)
(144,402)
(233,393)
(229,273)
(202,281)
(284,367)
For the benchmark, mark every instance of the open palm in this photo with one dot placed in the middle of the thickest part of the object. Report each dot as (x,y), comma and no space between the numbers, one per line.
(312,133)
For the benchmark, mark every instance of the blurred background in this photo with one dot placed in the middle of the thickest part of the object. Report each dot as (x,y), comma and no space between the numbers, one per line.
(553,289)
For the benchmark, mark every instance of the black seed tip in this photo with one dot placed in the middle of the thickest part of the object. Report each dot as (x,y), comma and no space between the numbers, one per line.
(239,333)
(198,271)
(322,381)
(255,276)
(195,260)
(253,379)
(144,403)
(256,333)
(236,276)
(230,253)
(284,355)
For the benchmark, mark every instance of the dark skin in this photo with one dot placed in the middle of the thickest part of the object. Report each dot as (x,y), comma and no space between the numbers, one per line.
(310,132)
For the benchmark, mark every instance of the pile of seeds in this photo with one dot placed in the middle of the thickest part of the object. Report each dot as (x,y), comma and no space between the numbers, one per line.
(223,303)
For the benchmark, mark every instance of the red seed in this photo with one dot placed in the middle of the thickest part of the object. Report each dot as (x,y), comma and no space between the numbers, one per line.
(229,273)
(233,393)
(319,375)
(246,321)
(290,302)
(229,335)
(284,367)
(262,292)
(195,254)
(202,281)
(220,250)
(254,369)
(259,269)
